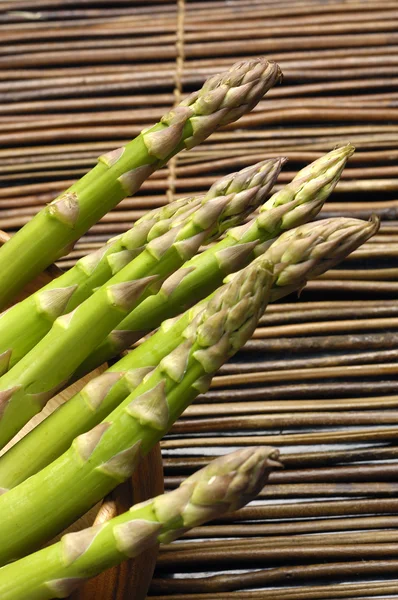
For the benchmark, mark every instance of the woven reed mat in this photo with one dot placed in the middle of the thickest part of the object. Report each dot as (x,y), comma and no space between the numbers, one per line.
(319,378)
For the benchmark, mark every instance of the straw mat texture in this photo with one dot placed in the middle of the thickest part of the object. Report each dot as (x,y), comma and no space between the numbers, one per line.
(319,378)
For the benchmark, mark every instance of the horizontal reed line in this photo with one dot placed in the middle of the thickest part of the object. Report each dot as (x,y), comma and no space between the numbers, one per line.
(288,406)
(276,555)
(288,439)
(363,473)
(111,38)
(229,582)
(337,21)
(311,526)
(267,422)
(222,48)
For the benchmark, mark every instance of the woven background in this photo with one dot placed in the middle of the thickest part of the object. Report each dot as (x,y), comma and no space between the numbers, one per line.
(78,78)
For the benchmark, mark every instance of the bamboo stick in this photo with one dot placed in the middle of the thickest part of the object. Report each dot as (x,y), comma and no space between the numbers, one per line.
(362,537)
(166,36)
(303,390)
(321,327)
(231,425)
(329,311)
(346,372)
(346,287)
(274,406)
(339,524)
(303,592)
(313,509)
(168,25)
(368,274)
(229,582)
(325,361)
(302,460)
(325,305)
(231,47)
(284,480)
(329,437)
(277,555)
(325,132)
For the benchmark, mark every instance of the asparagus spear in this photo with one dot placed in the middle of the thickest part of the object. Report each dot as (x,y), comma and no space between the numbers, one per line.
(226,484)
(296,203)
(223,99)
(27,387)
(146,398)
(26,323)
(97,461)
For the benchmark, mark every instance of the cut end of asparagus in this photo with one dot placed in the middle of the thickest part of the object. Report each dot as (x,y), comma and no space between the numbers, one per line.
(311,249)
(227,483)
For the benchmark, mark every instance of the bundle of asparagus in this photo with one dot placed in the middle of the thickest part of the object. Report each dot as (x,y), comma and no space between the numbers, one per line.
(305,197)
(136,283)
(150,398)
(31,383)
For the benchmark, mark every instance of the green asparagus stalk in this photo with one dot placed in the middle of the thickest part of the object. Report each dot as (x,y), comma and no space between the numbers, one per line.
(97,461)
(27,387)
(26,323)
(223,99)
(296,203)
(149,388)
(226,484)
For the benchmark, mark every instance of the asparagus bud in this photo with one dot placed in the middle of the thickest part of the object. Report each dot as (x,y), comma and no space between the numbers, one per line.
(310,250)
(227,483)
